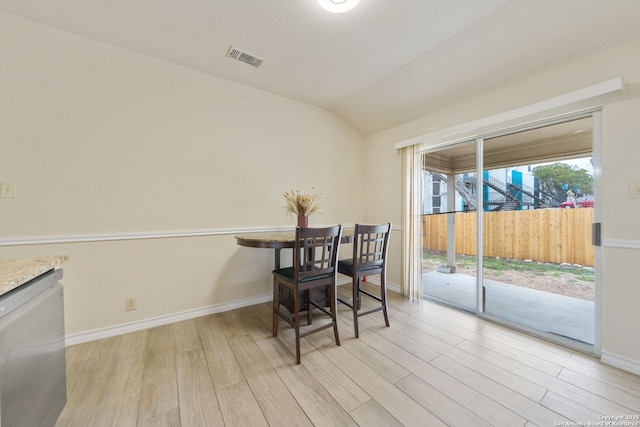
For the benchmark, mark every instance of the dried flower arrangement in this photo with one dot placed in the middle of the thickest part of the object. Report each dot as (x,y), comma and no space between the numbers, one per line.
(301,204)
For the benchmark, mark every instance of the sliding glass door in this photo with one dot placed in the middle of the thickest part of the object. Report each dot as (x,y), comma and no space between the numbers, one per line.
(538,258)
(507,229)
(449,228)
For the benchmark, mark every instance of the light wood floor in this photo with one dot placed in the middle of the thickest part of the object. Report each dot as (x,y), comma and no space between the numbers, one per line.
(433,366)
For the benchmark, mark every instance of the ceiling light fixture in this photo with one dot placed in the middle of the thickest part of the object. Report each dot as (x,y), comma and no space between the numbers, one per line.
(338,6)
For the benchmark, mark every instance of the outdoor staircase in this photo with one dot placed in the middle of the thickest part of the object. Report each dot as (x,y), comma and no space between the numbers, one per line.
(516,196)
(511,205)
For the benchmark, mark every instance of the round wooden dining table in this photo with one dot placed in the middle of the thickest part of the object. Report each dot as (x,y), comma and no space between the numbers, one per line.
(278,240)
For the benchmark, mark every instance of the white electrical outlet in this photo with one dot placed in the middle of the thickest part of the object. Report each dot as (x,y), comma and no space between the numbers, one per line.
(7,190)
(130,304)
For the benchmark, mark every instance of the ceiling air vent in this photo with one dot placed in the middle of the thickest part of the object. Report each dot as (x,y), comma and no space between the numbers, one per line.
(244,57)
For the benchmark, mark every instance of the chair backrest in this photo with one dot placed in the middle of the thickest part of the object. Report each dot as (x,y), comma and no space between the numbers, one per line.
(316,251)
(370,244)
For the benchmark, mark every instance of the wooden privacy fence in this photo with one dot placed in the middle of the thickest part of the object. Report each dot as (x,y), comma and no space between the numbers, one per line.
(549,235)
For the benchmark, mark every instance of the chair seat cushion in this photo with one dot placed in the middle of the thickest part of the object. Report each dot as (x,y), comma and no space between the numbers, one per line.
(288,274)
(345,266)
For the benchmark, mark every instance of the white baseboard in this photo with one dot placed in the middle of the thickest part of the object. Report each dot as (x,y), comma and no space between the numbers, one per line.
(623,363)
(140,325)
(125,328)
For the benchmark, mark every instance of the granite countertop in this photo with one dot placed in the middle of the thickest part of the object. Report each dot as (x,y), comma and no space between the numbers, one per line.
(15,272)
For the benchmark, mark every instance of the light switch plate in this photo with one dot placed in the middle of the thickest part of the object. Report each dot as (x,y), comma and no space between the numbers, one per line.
(634,190)
(7,190)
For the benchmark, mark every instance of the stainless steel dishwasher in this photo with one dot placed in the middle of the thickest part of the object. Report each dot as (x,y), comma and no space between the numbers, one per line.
(33,382)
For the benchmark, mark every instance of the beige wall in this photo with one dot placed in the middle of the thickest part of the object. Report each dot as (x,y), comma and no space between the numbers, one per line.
(621,151)
(621,281)
(103,142)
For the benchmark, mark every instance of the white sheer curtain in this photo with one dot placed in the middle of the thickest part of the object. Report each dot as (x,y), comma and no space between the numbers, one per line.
(412,218)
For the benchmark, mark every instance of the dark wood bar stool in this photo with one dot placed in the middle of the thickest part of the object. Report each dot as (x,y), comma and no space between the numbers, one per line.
(310,283)
(370,244)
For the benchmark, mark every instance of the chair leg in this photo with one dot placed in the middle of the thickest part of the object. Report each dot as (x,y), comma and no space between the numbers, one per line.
(358,299)
(276,303)
(334,312)
(383,297)
(296,323)
(309,308)
(355,303)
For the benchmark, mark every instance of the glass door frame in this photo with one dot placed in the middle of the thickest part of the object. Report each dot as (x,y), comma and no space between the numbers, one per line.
(596,117)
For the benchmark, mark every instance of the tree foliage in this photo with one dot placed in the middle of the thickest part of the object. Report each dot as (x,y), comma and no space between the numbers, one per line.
(557,178)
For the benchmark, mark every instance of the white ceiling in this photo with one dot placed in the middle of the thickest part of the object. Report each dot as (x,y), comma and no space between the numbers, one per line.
(382,64)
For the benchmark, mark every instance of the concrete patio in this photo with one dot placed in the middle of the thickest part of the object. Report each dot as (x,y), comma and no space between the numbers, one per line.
(560,315)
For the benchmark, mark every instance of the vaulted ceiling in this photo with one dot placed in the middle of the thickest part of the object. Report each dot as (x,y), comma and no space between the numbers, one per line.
(382,64)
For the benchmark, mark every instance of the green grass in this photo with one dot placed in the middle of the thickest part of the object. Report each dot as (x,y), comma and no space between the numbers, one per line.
(498,265)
